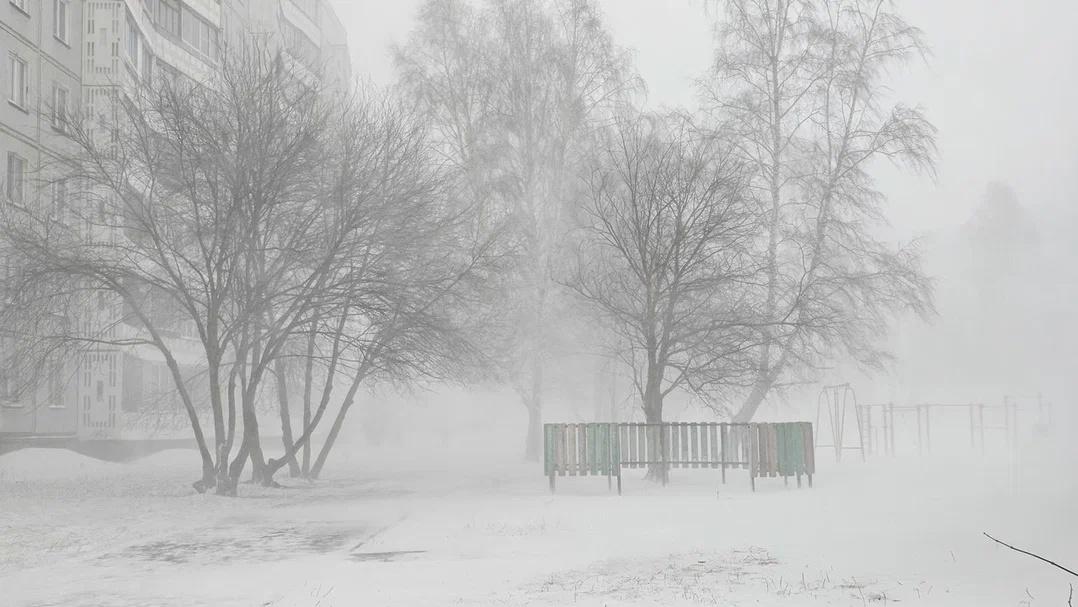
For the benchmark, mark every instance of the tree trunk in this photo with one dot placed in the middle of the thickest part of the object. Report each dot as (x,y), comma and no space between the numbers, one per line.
(286,417)
(209,477)
(753,401)
(223,474)
(234,471)
(331,438)
(250,435)
(653,414)
(533,401)
(533,446)
(308,383)
(251,447)
(338,422)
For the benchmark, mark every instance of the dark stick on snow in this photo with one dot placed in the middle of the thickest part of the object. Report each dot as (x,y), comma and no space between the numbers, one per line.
(1036,556)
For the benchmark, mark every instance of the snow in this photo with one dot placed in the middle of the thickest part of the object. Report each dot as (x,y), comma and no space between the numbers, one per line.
(384,529)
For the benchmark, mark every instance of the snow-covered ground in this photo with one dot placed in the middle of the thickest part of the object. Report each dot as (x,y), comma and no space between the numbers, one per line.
(388,530)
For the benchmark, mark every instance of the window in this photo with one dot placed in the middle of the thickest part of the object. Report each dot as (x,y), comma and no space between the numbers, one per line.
(60,96)
(309,7)
(59,9)
(167,17)
(199,33)
(132,40)
(300,45)
(191,27)
(16,172)
(17,73)
(209,40)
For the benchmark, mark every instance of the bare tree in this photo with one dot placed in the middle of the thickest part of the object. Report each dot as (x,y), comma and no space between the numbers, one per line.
(666,260)
(258,209)
(516,89)
(416,263)
(798,90)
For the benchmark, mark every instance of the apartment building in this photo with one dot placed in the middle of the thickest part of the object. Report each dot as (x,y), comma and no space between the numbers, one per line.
(63,55)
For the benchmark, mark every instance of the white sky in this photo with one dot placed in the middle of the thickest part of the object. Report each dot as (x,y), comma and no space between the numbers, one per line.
(1002,87)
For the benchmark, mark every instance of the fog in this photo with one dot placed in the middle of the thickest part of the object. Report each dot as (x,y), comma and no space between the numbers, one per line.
(338,302)
(999,84)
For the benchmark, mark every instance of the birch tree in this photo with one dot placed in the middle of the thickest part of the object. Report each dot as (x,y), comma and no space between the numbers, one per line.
(516,89)
(799,90)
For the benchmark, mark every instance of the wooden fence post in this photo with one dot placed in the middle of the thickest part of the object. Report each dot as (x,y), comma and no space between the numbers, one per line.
(753,441)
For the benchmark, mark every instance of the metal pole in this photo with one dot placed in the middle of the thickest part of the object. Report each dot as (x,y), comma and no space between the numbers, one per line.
(920,447)
(722,450)
(892,429)
(980,416)
(860,433)
(753,443)
(928,427)
(868,422)
(972,440)
(839,424)
(1006,423)
(662,447)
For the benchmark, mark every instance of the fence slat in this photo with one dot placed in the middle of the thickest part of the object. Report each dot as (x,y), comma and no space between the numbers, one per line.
(672,445)
(563,449)
(582,446)
(609,435)
(761,449)
(571,451)
(647,450)
(623,442)
(718,445)
(773,445)
(684,445)
(592,431)
(694,435)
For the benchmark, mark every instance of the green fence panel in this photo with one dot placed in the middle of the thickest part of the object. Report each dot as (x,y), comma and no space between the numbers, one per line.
(797,448)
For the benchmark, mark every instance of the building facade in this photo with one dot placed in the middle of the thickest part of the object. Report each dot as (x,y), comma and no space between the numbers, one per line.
(61,56)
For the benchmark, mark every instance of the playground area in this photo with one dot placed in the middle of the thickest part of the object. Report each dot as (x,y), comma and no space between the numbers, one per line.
(1001,429)
(476,527)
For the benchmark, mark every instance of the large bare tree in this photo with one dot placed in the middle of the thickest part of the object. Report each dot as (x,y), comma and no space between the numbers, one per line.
(259,209)
(666,260)
(799,90)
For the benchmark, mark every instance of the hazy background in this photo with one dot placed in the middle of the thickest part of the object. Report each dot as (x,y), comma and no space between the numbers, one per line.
(1001,86)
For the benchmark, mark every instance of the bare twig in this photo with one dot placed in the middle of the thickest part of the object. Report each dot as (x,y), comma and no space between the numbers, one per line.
(1036,556)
